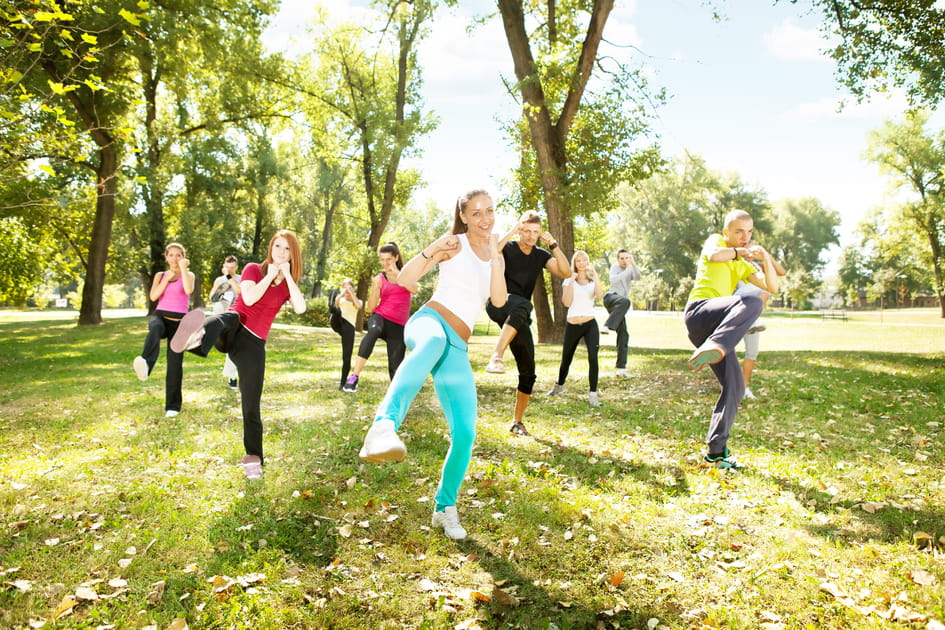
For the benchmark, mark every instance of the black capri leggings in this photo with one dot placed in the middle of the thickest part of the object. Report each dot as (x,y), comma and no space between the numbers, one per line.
(379,327)
(573,333)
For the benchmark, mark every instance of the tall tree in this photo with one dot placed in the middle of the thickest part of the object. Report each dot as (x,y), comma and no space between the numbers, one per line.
(581,140)
(914,160)
(372,80)
(72,69)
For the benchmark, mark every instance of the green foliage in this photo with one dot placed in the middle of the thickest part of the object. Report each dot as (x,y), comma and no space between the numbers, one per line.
(17,274)
(886,44)
(802,232)
(914,160)
(316,314)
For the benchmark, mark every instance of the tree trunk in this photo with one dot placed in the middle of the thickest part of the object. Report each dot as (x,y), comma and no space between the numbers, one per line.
(107,185)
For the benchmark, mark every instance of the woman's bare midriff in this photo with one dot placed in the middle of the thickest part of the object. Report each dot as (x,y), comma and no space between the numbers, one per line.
(579,320)
(458,325)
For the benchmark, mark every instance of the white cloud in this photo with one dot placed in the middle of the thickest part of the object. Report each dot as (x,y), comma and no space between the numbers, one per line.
(790,42)
(450,54)
(878,108)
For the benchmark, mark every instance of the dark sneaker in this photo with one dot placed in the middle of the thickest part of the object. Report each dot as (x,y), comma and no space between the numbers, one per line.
(519,429)
(725,461)
(351,385)
(234,384)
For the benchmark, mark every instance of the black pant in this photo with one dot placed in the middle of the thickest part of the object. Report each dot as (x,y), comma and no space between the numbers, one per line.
(573,333)
(160,327)
(347,347)
(517,314)
(617,306)
(380,327)
(225,333)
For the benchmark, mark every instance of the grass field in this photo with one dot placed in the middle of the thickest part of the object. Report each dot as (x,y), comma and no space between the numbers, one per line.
(115,517)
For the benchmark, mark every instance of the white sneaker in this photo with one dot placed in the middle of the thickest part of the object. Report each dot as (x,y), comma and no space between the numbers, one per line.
(141,368)
(381,444)
(495,365)
(622,373)
(171,413)
(604,330)
(449,521)
(748,394)
(557,389)
(593,400)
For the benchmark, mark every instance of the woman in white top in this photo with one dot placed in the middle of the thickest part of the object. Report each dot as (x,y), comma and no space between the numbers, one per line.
(349,305)
(471,270)
(578,294)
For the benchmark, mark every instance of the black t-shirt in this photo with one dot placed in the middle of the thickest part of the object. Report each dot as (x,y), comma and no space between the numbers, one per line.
(522,270)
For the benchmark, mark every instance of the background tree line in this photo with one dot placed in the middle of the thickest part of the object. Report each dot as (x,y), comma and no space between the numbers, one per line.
(127,124)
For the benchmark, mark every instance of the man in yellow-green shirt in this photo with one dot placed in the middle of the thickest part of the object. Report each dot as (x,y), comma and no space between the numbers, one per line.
(717,320)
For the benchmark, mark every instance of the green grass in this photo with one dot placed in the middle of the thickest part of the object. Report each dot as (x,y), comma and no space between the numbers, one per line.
(826,529)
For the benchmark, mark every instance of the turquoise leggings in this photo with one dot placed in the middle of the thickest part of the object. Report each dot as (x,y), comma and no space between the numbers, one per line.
(436,349)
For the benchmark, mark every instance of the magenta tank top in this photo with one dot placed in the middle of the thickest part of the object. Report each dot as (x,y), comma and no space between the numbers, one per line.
(174,299)
(395,302)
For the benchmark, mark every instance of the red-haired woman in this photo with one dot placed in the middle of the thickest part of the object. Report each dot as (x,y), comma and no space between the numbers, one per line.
(242,332)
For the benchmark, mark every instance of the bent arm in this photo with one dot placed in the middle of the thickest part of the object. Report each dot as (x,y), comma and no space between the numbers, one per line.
(158,286)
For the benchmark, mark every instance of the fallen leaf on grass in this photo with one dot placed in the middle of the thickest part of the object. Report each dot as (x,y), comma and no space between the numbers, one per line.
(124,562)
(157,592)
(21,585)
(922,578)
(65,606)
(504,599)
(85,593)
(767,615)
(345,530)
(616,578)
(178,624)
(117,582)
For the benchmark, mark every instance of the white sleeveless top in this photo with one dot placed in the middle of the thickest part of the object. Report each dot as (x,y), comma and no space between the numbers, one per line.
(463,285)
(582,304)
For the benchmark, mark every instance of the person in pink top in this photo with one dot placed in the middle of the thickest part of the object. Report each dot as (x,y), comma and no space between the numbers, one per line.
(390,304)
(242,332)
(171,289)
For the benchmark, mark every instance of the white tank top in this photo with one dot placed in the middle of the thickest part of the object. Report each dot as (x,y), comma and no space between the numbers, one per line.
(582,304)
(463,285)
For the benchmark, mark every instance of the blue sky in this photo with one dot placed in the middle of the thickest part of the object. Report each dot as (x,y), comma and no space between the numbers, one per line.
(751,93)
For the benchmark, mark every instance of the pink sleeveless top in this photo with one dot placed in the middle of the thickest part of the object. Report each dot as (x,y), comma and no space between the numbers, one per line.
(174,299)
(395,302)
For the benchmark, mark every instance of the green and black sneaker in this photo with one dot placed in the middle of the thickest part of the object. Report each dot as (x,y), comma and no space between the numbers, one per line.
(725,460)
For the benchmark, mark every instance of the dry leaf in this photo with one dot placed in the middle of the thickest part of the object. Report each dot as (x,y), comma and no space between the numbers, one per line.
(65,606)
(124,562)
(51,542)
(345,530)
(117,582)
(767,615)
(922,578)
(131,551)
(503,598)
(178,624)
(157,592)
(568,535)
(85,593)
(21,585)
(616,578)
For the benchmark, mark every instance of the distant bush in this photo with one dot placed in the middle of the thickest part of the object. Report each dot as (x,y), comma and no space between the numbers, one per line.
(316,314)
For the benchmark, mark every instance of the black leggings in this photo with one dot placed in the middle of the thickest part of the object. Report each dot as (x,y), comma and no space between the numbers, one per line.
(517,314)
(573,333)
(379,327)
(225,333)
(347,347)
(160,328)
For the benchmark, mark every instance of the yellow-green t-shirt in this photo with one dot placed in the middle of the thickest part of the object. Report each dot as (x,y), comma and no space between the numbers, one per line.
(718,279)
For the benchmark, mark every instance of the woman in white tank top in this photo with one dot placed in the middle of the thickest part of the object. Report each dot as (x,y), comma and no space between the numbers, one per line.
(471,270)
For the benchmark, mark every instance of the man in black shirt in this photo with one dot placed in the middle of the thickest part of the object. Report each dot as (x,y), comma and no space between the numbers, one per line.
(524,262)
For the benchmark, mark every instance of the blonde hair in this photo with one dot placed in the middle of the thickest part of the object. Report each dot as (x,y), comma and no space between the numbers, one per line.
(574,256)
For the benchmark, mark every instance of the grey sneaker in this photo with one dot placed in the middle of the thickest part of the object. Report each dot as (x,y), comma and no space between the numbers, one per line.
(381,444)
(557,389)
(593,400)
(448,519)
(141,368)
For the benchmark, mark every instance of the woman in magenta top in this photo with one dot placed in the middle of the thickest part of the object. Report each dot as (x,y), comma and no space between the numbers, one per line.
(390,304)
(171,289)
(242,332)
